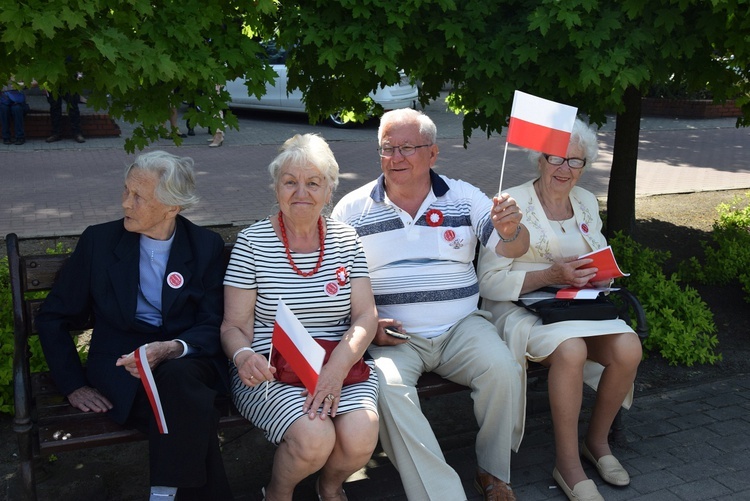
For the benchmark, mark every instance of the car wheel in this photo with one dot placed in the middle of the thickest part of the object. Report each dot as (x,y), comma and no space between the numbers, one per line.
(337,120)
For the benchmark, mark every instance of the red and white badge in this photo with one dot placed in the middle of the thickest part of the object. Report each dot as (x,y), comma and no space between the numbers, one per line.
(331,288)
(449,235)
(434,217)
(341,275)
(584,228)
(175,280)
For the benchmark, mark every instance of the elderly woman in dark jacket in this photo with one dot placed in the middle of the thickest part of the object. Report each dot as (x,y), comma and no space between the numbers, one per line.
(152,282)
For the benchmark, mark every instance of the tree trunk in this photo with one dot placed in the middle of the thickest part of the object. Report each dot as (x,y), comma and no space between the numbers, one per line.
(621,192)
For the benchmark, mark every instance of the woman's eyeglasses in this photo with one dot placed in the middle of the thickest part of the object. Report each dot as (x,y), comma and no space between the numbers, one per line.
(573,163)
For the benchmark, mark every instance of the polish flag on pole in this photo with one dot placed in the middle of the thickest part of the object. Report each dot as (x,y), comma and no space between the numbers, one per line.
(540,124)
(147,379)
(298,347)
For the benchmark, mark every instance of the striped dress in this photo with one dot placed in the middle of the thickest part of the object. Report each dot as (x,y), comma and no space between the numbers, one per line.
(259,262)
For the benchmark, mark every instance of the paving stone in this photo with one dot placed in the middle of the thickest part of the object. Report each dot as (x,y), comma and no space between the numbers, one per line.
(691,420)
(700,490)
(654,480)
(696,470)
(737,481)
(737,427)
(733,443)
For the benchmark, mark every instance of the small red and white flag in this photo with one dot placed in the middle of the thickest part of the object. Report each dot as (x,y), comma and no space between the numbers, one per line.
(298,347)
(147,379)
(540,124)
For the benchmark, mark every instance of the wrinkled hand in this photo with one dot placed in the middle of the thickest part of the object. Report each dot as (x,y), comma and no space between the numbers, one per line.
(253,368)
(89,399)
(383,339)
(156,353)
(329,383)
(568,271)
(505,215)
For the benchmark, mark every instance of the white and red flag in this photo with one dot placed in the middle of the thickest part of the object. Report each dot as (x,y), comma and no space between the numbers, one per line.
(297,346)
(147,379)
(540,124)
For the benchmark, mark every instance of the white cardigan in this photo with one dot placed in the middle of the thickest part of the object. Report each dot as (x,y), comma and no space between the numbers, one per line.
(501,279)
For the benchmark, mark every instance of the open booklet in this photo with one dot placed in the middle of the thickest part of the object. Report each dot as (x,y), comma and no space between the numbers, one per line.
(608,269)
(604,261)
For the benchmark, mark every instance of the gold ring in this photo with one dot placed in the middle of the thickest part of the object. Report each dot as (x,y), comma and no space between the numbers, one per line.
(330,397)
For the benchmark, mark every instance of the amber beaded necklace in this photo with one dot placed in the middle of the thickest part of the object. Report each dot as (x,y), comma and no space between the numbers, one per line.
(289,253)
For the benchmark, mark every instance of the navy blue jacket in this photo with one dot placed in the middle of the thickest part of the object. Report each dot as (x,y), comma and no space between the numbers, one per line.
(100,281)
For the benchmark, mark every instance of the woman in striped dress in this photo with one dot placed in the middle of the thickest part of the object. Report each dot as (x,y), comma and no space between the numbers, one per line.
(317,267)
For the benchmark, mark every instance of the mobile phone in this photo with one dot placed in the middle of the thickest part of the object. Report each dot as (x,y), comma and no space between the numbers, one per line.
(391,331)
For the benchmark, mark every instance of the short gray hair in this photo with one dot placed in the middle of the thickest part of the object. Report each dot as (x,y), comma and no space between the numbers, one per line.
(176,176)
(427,128)
(306,149)
(583,136)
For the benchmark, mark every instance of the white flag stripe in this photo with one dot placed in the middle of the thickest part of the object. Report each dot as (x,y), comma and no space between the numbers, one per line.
(152,391)
(312,351)
(543,112)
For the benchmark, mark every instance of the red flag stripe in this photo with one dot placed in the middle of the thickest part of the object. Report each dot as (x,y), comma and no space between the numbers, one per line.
(538,137)
(284,344)
(147,379)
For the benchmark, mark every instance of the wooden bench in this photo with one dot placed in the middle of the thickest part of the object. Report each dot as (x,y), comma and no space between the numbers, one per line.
(45,423)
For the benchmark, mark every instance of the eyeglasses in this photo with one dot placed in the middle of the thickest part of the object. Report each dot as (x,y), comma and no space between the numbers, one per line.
(573,163)
(405,150)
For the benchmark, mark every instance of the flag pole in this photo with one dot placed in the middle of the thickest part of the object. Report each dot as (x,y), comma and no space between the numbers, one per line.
(268,381)
(270,352)
(502,171)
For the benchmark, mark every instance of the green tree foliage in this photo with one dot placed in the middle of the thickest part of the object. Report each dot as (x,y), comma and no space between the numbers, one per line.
(600,56)
(138,58)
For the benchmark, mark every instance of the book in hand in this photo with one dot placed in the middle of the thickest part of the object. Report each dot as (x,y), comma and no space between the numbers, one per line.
(604,260)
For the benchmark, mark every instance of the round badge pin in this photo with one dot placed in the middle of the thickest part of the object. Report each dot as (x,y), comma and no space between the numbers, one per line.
(434,217)
(332,288)
(584,228)
(175,280)
(449,235)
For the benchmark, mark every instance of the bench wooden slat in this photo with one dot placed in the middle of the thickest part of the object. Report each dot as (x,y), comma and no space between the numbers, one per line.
(39,272)
(431,385)
(86,430)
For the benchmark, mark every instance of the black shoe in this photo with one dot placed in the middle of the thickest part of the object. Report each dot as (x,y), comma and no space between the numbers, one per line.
(19,142)
(53,138)
(78,138)
(182,135)
(7,141)
(191,132)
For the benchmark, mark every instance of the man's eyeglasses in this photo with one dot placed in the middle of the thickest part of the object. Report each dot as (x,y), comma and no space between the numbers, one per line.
(573,163)
(406,150)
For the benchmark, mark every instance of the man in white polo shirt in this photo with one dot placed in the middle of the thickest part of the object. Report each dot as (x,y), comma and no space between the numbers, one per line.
(420,232)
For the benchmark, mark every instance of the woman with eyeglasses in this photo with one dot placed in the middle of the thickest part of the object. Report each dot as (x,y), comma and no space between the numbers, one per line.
(563,222)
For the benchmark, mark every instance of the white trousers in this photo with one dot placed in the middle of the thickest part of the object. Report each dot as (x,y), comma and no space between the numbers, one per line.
(471,353)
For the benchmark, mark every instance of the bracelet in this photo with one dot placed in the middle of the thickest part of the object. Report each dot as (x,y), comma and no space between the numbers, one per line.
(244,348)
(511,239)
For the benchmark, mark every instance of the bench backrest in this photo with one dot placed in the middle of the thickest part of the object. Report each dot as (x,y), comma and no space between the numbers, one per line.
(37,273)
